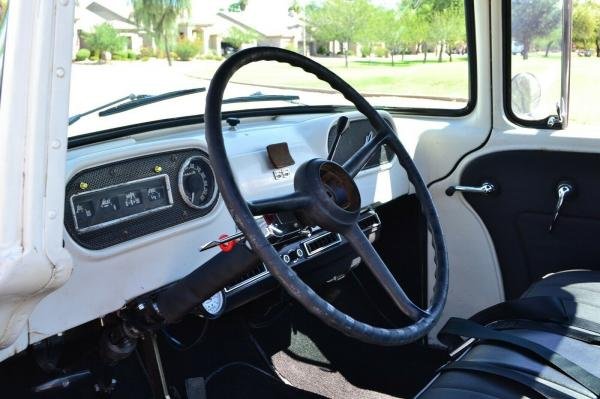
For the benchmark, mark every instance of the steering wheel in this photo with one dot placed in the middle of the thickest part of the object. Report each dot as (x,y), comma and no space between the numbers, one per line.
(326,195)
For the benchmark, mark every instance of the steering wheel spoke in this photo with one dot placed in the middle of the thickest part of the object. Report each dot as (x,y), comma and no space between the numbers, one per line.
(376,265)
(282,203)
(360,158)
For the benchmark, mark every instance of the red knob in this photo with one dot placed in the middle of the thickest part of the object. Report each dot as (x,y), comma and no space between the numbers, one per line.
(226,246)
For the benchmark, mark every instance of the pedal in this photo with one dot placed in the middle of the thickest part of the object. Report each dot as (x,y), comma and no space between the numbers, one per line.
(195,388)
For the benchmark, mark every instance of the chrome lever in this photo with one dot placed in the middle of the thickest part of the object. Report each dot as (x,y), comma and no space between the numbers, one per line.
(485,188)
(563,191)
(221,241)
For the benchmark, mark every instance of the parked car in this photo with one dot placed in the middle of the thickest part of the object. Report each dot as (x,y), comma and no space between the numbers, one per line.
(516,47)
(584,53)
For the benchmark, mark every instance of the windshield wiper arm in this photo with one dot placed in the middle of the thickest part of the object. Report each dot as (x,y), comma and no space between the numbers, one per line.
(261,97)
(131,97)
(141,101)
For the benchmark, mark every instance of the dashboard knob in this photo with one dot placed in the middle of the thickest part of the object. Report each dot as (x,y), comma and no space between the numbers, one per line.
(286,258)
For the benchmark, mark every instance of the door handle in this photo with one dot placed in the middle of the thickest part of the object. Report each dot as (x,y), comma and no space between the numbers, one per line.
(485,188)
(563,191)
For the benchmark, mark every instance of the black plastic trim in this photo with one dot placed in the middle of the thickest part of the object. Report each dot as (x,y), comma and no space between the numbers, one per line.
(124,131)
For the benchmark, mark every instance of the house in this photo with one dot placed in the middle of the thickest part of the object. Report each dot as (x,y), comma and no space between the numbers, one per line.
(269,21)
(90,13)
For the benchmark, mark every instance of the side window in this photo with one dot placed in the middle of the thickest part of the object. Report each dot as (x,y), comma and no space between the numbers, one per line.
(534,57)
(585,64)
(3,18)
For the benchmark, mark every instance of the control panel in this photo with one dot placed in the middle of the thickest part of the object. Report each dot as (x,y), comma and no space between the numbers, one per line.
(107,206)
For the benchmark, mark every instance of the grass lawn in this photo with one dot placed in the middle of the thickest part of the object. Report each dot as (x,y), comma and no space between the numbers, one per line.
(433,79)
(377,76)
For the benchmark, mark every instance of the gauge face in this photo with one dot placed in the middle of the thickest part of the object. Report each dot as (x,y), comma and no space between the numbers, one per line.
(197,183)
(214,305)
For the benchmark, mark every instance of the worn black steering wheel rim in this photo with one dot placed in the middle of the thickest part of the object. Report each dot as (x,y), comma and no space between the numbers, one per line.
(341,211)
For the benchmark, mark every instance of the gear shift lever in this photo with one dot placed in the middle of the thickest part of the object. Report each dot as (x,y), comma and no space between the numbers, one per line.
(343,124)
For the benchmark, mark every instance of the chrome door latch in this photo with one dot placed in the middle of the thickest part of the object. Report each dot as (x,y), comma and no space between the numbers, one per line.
(485,188)
(563,191)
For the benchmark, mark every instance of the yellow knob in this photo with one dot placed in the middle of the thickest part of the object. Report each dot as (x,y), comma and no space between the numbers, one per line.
(158,168)
(83,185)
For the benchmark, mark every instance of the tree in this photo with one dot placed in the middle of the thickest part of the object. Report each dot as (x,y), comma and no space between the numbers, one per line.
(372,30)
(340,20)
(448,28)
(104,38)
(398,31)
(3,7)
(238,6)
(237,37)
(532,19)
(584,24)
(159,18)
(549,40)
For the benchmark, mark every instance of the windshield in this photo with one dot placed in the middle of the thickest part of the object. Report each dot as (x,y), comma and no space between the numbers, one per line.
(396,53)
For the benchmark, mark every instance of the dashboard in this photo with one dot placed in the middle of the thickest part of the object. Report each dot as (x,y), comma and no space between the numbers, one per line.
(139,209)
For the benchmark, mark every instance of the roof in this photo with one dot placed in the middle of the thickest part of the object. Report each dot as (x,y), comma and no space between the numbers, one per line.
(267,18)
(91,13)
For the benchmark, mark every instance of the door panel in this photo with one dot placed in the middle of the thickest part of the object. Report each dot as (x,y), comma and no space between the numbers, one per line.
(519,214)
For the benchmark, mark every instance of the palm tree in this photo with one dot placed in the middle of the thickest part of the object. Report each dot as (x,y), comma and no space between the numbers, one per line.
(159,18)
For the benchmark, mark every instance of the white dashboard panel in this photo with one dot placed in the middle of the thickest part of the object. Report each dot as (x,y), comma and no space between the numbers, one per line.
(104,280)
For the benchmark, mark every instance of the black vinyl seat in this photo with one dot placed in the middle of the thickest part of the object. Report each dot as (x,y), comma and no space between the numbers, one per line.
(535,378)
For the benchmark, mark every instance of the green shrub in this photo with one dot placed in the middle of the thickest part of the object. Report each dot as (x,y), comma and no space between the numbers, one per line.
(145,58)
(381,52)
(322,50)
(82,54)
(105,38)
(131,55)
(94,58)
(146,52)
(119,55)
(186,50)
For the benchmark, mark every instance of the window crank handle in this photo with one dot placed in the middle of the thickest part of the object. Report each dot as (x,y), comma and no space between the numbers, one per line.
(563,191)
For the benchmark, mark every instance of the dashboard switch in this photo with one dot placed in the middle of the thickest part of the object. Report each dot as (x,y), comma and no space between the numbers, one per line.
(286,258)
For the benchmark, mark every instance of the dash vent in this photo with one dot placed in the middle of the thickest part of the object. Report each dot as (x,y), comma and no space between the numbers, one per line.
(247,278)
(320,243)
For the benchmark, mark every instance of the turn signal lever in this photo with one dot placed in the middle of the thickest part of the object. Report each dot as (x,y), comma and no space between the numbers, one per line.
(171,304)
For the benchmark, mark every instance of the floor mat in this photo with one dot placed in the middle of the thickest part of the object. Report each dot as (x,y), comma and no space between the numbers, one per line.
(319,359)
(243,381)
(303,365)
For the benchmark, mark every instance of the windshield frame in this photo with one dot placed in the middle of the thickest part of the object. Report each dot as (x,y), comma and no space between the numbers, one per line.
(472,90)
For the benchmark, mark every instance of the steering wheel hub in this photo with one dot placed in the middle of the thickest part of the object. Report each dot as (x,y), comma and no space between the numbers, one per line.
(335,199)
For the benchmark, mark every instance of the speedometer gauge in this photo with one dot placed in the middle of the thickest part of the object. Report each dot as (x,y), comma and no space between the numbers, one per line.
(197,183)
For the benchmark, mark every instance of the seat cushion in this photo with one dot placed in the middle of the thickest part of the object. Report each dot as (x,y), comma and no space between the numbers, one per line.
(578,286)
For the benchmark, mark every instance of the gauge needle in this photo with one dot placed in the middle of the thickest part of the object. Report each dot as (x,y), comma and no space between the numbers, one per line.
(193,195)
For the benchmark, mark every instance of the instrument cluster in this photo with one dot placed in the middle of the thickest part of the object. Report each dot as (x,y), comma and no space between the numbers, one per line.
(120,201)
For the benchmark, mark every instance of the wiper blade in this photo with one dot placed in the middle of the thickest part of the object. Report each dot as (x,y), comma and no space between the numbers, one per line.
(131,97)
(140,102)
(256,97)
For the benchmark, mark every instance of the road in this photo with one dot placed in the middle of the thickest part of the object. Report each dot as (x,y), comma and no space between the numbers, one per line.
(95,84)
